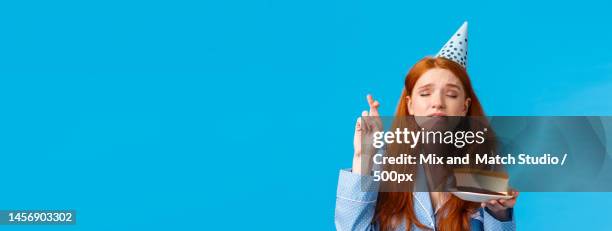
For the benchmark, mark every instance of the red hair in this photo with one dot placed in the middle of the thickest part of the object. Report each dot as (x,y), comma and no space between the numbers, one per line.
(392,206)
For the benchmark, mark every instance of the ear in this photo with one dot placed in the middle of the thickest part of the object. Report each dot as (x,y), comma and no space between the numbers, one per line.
(467,103)
(409,105)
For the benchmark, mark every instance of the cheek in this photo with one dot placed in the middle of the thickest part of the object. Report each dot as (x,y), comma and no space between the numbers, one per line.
(456,107)
(420,107)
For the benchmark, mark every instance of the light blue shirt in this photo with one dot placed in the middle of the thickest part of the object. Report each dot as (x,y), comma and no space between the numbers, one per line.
(355,207)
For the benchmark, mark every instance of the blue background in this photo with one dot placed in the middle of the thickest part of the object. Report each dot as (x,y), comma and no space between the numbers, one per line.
(215,115)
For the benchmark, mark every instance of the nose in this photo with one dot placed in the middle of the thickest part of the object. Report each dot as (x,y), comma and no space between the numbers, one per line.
(438,102)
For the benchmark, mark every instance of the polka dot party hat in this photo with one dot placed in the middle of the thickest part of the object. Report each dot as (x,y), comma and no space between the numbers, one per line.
(456,47)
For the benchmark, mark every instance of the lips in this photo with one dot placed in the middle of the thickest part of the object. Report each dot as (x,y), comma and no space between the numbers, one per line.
(437,114)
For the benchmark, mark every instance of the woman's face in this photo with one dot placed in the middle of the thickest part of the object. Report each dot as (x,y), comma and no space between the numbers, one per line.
(438,93)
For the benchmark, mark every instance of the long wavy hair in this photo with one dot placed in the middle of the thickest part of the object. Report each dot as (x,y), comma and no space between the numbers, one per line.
(392,206)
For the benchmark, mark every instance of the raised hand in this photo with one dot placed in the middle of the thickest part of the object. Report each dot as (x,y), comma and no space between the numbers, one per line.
(366,125)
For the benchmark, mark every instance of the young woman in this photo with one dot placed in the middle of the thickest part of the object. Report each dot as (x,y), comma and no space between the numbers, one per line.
(435,86)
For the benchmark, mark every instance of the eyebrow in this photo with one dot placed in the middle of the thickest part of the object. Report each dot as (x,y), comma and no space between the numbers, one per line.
(448,84)
(425,86)
(453,85)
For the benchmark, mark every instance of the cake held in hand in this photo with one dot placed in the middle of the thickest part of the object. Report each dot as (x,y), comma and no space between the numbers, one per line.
(480,185)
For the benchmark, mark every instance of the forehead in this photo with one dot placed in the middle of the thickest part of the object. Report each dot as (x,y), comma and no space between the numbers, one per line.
(438,77)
